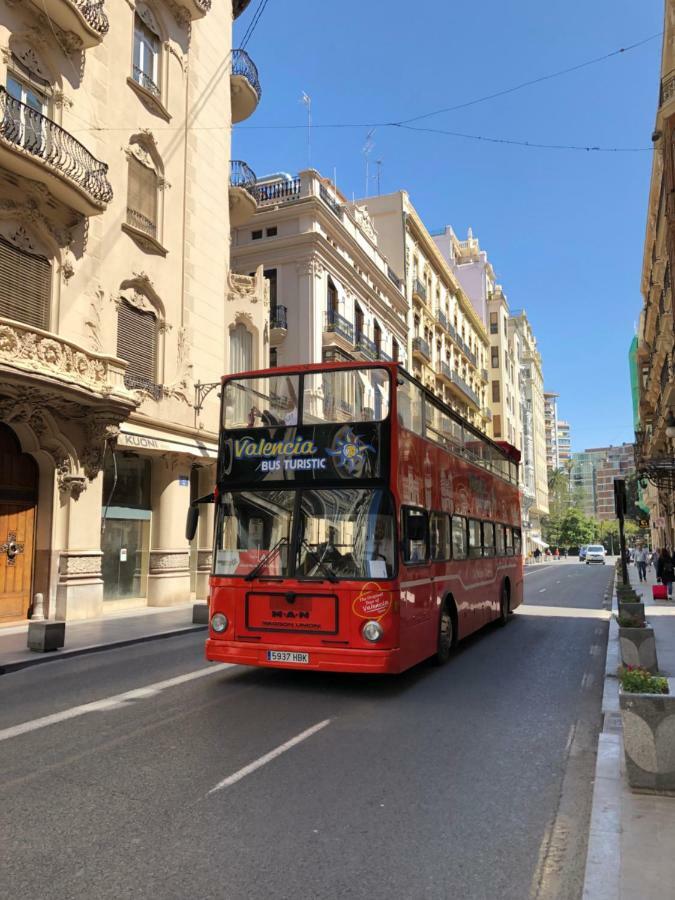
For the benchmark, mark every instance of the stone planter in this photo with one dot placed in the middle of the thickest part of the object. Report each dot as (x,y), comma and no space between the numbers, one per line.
(649,740)
(633,611)
(638,648)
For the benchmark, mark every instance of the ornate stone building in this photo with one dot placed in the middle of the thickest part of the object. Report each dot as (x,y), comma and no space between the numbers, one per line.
(116,301)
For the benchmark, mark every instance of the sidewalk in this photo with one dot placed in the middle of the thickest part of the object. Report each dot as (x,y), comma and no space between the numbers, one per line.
(631,847)
(114,630)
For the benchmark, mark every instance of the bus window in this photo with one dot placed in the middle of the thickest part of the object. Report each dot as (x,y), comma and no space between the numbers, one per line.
(458,537)
(488,539)
(475,541)
(261,402)
(453,433)
(509,541)
(439,527)
(499,543)
(410,406)
(415,535)
(516,542)
(350,395)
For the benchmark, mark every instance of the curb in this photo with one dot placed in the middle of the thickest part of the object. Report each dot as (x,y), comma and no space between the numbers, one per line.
(95,648)
(603,856)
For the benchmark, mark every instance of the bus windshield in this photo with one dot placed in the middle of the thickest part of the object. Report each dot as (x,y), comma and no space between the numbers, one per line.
(334,533)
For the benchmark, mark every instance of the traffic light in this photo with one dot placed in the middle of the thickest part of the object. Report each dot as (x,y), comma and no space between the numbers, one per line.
(620,504)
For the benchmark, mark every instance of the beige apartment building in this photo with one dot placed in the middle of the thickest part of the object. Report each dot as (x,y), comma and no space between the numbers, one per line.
(447,341)
(333,294)
(116,300)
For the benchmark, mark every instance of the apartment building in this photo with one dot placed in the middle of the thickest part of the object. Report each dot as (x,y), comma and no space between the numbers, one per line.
(655,431)
(593,473)
(447,341)
(117,308)
(333,293)
(551,429)
(564,441)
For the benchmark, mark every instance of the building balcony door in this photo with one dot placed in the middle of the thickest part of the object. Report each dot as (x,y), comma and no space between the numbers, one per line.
(18,498)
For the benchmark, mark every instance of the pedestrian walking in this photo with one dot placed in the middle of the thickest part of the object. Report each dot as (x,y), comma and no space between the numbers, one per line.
(665,571)
(655,556)
(641,558)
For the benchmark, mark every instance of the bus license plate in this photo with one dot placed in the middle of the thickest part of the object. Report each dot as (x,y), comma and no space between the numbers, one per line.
(286,656)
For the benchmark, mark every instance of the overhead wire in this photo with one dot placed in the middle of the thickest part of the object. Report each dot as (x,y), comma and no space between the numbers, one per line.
(253,24)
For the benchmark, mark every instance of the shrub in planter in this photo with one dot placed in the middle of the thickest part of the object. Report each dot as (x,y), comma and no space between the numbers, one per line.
(638,647)
(635,612)
(648,717)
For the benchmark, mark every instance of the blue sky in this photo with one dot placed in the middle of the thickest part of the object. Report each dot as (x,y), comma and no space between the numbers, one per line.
(564,230)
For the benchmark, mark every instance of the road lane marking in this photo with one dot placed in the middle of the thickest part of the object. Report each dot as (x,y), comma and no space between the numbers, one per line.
(571,612)
(268,757)
(108,703)
(541,590)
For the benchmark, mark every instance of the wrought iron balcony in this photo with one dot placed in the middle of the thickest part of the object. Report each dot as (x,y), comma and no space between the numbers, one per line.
(145,81)
(445,371)
(463,386)
(245,87)
(365,346)
(142,223)
(452,332)
(243,203)
(337,324)
(330,201)
(442,318)
(33,145)
(83,21)
(385,357)
(420,289)
(278,318)
(142,383)
(419,345)
(278,191)
(484,375)
(393,277)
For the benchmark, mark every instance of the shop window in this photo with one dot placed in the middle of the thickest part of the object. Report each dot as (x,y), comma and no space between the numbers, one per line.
(125,531)
(25,285)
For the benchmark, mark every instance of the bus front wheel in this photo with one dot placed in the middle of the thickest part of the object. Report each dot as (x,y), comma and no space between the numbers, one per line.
(446,635)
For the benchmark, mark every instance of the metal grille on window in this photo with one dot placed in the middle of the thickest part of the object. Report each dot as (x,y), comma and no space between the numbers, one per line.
(142,198)
(25,286)
(137,344)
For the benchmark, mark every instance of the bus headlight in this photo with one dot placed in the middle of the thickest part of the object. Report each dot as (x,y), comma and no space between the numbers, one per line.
(219,622)
(372,631)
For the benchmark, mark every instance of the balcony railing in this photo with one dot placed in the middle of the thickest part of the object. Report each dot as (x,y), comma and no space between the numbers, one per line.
(93,15)
(442,319)
(243,65)
(365,345)
(452,332)
(446,371)
(484,375)
(279,191)
(242,176)
(393,277)
(43,139)
(140,222)
(145,81)
(454,377)
(337,324)
(278,318)
(330,201)
(142,383)
(419,345)
(420,289)
(385,357)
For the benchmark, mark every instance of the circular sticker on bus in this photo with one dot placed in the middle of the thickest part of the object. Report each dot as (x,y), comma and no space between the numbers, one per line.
(372,602)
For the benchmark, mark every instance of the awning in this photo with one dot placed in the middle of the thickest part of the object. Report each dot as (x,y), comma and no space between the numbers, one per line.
(539,543)
(139,437)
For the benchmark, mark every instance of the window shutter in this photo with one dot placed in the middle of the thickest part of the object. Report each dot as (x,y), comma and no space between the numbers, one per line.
(142,197)
(25,286)
(137,341)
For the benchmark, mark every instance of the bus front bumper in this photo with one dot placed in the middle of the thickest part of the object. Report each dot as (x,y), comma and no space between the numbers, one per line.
(321,659)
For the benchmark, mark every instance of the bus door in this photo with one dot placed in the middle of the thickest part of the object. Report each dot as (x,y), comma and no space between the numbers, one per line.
(416,572)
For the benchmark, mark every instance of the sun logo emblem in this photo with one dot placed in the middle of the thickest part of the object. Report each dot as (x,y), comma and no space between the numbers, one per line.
(351,451)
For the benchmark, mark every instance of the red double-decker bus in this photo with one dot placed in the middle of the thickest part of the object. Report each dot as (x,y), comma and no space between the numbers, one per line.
(360,524)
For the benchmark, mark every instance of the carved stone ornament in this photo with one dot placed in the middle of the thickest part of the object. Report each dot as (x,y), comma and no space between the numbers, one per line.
(147,17)
(94,321)
(80,564)
(242,288)
(310,267)
(180,14)
(169,561)
(365,223)
(101,434)
(182,388)
(73,485)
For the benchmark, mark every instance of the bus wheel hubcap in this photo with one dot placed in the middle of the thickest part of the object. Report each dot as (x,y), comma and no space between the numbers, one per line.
(446,631)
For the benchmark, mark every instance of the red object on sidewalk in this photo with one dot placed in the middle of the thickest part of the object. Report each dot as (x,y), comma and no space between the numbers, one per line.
(659,592)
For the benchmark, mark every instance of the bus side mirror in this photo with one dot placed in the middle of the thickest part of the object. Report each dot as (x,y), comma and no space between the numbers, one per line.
(193,515)
(191,524)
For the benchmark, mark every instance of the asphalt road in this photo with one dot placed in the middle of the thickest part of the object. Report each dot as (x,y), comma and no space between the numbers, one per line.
(470,781)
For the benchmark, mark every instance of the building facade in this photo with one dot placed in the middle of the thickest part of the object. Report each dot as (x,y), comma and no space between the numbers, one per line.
(592,477)
(447,341)
(564,441)
(655,431)
(115,294)
(551,429)
(333,293)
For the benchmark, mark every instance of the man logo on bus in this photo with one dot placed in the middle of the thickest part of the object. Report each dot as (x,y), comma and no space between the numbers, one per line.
(350,451)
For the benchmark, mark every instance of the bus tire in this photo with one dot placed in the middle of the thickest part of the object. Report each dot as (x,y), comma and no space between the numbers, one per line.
(504,605)
(447,634)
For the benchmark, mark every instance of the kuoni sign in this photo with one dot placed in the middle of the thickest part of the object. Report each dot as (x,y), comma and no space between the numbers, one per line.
(372,602)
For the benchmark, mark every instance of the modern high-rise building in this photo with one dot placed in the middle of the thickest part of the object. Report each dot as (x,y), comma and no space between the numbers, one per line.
(116,299)
(551,429)
(592,477)
(564,444)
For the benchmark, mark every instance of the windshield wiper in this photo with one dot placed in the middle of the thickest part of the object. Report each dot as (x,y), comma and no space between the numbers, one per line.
(266,559)
(329,572)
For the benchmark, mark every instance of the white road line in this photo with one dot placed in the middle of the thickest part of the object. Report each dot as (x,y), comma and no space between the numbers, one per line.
(268,757)
(107,703)
(541,590)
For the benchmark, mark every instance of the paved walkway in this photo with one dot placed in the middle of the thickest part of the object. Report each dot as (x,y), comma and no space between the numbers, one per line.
(631,850)
(115,630)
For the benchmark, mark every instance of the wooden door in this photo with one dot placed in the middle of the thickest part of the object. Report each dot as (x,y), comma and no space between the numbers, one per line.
(18,495)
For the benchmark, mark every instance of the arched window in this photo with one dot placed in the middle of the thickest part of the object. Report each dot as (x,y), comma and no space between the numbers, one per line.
(147,48)
(25,281)
(137,339)
(241,349)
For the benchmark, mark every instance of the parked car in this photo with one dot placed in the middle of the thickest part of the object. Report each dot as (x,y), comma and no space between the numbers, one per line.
(595,553)
(582,552)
